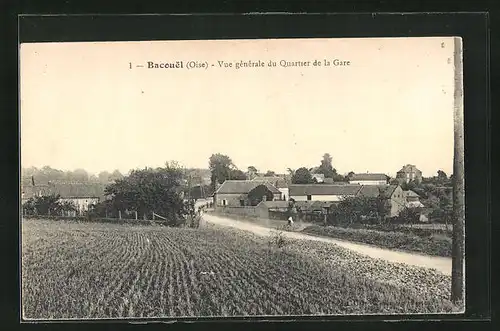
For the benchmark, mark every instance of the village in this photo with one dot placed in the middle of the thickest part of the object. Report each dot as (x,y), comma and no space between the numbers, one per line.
(263,195)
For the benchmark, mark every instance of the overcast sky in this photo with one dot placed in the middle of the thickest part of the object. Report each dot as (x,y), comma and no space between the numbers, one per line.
(82,107)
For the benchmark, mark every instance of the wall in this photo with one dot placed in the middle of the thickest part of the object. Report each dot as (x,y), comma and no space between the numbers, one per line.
(284,193)
(231,199)
(398,201)
(260,212)
(368,182)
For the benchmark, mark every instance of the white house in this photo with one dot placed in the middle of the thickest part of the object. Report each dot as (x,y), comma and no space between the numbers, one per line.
(368,179)
(322,192)
(82,204)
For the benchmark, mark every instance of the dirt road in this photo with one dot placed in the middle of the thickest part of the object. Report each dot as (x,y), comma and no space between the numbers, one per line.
(441,264)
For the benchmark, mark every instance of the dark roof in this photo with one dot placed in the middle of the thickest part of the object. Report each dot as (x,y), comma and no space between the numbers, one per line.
(323,189)
(410,193)
(376,190)
(243,186)
(277,181)
(368,177)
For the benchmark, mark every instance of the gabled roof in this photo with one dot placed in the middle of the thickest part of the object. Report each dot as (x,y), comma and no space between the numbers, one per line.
(277,181)
(375,191)
(243,186)
(322,189)
(410,193)
(368,176)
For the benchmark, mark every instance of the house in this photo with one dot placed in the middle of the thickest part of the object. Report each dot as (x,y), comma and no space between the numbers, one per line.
(280,182)
(412,199)
(319,178)
(368,179)
(82,203)
(394,195)
(322,192)
(235,192)
(409,173)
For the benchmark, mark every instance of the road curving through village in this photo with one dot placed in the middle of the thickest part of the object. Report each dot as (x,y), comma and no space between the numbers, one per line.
(441,264)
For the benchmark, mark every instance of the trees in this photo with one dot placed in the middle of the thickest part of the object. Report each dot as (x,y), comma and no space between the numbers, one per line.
(269,173)
(43,205)
(220,166)
(237,174)
(302,176)
(326,167)
(150,190)
(252,172)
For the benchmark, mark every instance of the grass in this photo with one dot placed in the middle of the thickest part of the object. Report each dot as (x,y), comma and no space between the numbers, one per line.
(92,270)
(411,240)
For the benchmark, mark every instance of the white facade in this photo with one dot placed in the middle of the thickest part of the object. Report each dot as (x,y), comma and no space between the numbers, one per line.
(284,193)
(368,182)
(82,204)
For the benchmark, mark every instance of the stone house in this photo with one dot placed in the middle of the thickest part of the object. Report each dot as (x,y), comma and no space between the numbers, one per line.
(409,173)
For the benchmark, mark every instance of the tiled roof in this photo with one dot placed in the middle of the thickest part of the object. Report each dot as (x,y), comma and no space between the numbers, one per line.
(243,186)
(277,181)
(322,189)
(376,190)
(410,193)
(368,177)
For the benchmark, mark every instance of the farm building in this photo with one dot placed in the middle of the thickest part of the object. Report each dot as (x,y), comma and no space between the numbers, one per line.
(322,192)
(393,193)
(409,173)
(412,199)
(368,179)
(239,192)
(280,182)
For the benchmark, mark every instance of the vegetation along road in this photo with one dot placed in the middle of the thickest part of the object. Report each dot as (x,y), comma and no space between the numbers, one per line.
(441,264)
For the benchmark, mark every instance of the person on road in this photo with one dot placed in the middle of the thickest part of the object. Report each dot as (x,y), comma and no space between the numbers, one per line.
(290,221)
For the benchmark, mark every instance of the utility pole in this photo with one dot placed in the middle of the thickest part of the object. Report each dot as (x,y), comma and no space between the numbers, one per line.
(458,249)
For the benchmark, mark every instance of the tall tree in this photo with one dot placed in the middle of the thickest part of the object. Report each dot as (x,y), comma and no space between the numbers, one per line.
(104,177)
(116,175)
(302,176)
(220,166)
(326,167)
(252,172)
(236,174)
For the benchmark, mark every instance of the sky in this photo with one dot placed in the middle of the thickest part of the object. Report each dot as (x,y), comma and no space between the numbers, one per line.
(83,107)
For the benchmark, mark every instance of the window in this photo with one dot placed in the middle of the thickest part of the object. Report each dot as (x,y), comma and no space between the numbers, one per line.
(242,203)
(309,197)
(223,202)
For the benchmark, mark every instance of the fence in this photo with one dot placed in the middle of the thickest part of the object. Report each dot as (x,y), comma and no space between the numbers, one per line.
(87,219)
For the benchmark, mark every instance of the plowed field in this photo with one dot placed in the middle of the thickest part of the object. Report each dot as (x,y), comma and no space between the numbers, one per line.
(72,270)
